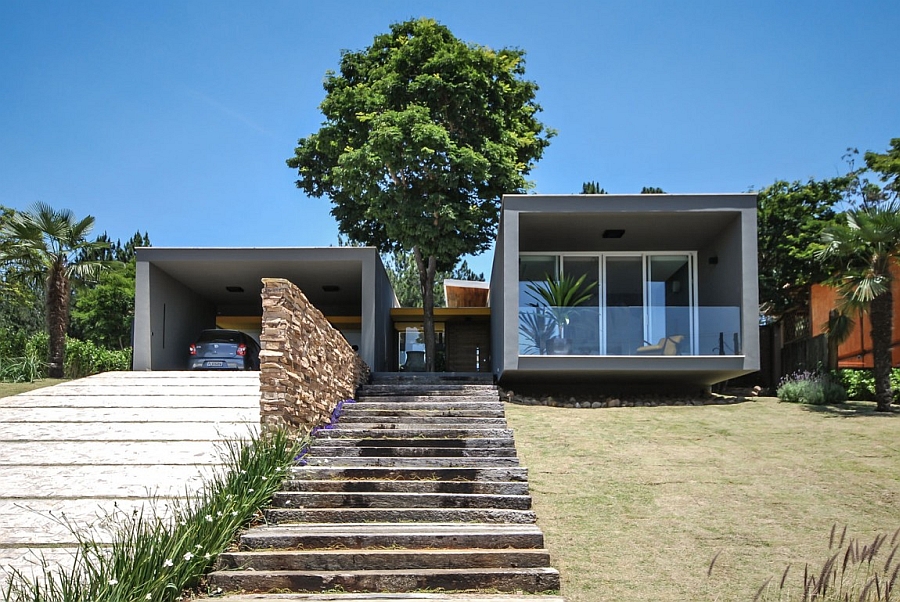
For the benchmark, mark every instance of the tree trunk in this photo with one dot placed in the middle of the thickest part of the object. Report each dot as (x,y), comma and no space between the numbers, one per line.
(57,319)
(426,281)
(880,314)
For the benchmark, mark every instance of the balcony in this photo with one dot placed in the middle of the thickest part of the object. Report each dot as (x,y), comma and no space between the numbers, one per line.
(630,331)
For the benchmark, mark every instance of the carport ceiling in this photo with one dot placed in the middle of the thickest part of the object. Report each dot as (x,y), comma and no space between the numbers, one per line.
(210,274)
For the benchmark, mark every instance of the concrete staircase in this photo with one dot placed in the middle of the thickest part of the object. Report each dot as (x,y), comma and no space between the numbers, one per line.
(416,489)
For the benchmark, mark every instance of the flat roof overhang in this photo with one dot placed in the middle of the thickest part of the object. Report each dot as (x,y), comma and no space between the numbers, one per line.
(625,370)
(231,278)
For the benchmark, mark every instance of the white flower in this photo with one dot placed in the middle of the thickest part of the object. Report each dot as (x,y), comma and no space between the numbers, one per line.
(207,556)
(188,556)
(148,597)
(198,547)
(219,514)
(264,479)
(234,513)
(114,582)
(208,518)
(249,491)
(168,562)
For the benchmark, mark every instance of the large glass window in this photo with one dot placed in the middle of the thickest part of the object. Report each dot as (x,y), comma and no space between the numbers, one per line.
(630,304)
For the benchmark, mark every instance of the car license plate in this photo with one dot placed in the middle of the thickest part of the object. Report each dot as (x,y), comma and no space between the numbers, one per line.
(214,364)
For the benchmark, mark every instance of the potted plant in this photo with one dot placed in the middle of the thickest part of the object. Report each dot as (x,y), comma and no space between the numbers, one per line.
(538,327)
(557,297)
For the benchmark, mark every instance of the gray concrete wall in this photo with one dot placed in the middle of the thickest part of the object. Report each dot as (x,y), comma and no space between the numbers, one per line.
(176,317)
(383,330)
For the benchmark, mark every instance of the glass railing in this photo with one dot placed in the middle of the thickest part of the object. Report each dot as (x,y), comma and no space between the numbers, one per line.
(632,330)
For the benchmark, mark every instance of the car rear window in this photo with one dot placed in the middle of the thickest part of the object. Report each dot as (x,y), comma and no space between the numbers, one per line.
(219,337)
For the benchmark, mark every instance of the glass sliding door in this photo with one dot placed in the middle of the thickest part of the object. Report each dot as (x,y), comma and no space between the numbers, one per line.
(536,325)
(582,331)
(669,303)
(623,281)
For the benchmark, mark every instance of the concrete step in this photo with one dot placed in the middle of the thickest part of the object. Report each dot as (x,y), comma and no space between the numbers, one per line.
(378,559)
(377,499)
(413,486)
(405,580)
(280,516)
(421,473)
(394,597)
(414,442)
(495,461)
(377,430)
(404,451)
(479,422)
(348,535)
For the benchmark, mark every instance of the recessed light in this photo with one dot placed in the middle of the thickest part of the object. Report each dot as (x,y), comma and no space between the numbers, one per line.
(613,233)
(234,289)
(330,288)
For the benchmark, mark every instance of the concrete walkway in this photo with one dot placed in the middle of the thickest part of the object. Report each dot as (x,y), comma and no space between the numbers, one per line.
(82,448)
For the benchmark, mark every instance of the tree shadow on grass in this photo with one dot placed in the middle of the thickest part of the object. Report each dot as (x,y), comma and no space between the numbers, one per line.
(852,409)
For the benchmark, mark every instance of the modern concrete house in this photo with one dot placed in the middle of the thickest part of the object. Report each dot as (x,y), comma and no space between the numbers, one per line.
(670,289)
(669,295)
(181,291)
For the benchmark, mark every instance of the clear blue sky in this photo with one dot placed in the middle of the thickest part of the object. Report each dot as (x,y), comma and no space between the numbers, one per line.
(176,118)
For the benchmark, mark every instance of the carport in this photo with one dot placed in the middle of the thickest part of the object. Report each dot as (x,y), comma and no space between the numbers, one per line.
(181,291)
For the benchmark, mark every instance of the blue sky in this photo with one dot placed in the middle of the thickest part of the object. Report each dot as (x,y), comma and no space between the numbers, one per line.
(176,118)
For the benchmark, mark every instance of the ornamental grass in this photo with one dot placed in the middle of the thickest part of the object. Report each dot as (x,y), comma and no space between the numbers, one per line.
(158,552)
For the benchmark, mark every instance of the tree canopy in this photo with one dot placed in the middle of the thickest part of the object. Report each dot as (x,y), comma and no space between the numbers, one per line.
(423,134)
(404,276)
(790,219)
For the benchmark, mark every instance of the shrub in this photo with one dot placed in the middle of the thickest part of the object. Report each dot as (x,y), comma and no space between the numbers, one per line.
(812,388)
(860,383)
(84,358)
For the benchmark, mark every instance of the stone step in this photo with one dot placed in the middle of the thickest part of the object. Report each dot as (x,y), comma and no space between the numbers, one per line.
(410,597)
(375,431)
(405,580)
(393,535)
(411,399)
(483,378)
(379,559)
(474,409)
(427,389)
(348,420)
(420,486)
(414,442)
(384,473)
(367,500)
(405,451)
(280,516)
(496,461)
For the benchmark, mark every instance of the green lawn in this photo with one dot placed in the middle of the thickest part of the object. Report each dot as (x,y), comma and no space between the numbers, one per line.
(635,502)
(7,389)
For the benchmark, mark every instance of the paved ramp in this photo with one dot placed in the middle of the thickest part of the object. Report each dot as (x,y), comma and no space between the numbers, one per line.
(81,448)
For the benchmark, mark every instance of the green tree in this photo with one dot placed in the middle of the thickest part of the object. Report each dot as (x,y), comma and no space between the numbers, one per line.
(790,219)
(865,247)
(423,134)
(45,243)
(21,301)
(404,275)
(103,313)
(652,190)
(592,188)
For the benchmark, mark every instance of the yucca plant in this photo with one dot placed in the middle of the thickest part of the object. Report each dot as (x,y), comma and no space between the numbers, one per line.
(559,296)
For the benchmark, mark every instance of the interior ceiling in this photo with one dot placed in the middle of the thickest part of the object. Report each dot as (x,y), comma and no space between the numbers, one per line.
(683,231)
(209,279)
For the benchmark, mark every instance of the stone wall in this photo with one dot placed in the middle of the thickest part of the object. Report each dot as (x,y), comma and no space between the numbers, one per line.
(306,366)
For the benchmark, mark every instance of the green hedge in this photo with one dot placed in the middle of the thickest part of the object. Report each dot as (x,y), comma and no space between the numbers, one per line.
(860,383)
(27,362)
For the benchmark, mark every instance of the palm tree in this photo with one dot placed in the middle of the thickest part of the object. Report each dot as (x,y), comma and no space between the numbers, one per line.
(46,243)
(864,249)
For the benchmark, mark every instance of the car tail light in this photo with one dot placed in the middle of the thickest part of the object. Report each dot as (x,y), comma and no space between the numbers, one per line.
(242,350)
(193,349)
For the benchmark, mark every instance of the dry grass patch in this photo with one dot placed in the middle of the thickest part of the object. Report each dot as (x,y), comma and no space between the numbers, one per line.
(7,389)
(635,502)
